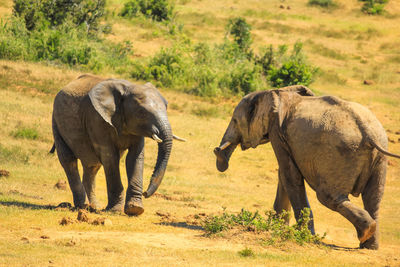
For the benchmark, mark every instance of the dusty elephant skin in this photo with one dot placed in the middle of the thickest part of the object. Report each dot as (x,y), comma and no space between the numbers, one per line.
(95,120)
(338,147)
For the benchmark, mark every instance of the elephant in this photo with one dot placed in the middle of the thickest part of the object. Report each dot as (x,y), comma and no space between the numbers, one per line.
(337,147)
(95,120)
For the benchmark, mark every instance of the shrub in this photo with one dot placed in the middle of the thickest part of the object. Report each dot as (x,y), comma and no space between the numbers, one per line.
(130,9)
(158,10)
(240,30)
(294,70)
(373,7)
(322,3)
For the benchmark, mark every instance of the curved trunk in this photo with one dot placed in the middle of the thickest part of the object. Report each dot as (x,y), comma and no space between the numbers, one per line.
(164,150)
(224,154)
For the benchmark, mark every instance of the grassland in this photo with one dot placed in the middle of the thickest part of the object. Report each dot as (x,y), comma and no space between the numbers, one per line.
(346,45)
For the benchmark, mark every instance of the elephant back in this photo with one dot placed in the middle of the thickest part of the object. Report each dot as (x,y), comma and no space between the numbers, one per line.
(82,85)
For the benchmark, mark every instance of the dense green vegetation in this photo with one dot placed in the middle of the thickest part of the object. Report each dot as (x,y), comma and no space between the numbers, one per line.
(158,10)
(273,225)
(45,32)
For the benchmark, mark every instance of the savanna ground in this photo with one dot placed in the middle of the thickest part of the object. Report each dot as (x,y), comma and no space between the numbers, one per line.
(348,46)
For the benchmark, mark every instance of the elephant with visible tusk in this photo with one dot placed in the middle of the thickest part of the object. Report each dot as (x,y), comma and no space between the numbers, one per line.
(95,120)
(338,147)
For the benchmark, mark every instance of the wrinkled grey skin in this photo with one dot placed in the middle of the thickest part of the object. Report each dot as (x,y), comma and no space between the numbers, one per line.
(336,146)
(96,120)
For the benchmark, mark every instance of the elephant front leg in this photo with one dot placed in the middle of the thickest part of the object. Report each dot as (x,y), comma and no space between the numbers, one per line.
(134,170)
(293,184)
(282,202)
(113,178)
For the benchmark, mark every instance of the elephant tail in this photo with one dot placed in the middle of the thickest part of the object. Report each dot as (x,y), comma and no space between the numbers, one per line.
(383,151)
(53,148)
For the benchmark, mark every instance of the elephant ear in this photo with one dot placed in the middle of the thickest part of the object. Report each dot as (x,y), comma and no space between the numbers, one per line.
(106,97)
(260,107)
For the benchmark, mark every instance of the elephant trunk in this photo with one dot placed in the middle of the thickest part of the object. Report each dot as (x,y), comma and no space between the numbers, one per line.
(227,146)
(164,150)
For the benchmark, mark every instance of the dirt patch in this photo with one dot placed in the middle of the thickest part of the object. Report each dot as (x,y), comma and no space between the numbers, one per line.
(67,221)
(166,197)
(83,217)
(61,185)
(4,173)
(102,221)
(166,217)
(196,219)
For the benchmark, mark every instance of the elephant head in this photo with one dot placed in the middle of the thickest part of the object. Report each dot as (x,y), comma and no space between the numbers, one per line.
(252,120)
(138,110)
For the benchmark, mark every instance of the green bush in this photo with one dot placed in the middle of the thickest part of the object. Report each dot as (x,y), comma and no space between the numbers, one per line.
(130,9)
(322,3)
(374,7)
(158,10)
(240,30)
(38,14)
(293,70)
(273,225)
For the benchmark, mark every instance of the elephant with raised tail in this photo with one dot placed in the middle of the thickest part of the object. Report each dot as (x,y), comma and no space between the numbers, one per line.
(95,120)
(338,147)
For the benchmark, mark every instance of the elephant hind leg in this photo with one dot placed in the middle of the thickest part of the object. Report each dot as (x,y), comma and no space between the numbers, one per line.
(89,182)
(372,196)
(70,164)
(360,218)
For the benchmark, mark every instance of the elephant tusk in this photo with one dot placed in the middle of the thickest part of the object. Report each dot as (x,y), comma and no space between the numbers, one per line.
(156,138)
(179,138)
(225,145)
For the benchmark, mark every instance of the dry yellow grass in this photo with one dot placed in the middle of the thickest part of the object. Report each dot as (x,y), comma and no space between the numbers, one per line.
(362,47)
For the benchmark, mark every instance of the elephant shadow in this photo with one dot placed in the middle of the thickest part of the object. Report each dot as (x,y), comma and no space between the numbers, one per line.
(182,225)
(26,205)
(339,248)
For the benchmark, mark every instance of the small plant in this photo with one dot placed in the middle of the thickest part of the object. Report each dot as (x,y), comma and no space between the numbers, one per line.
(322,3)
(246,252)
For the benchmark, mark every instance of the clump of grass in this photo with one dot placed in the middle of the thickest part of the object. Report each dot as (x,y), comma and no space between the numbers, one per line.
(13,154)
(323,3)
(246,252)
(273,225)
(26,133)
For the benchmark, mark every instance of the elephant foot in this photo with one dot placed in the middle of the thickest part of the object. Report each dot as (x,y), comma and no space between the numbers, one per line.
(114,208)
(134,208)
(367,233)
(371,243)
